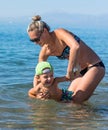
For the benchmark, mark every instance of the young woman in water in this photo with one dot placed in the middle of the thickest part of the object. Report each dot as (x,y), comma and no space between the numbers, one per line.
(66,45)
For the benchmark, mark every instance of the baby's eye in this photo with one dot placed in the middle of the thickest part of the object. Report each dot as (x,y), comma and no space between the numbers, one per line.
(46,76)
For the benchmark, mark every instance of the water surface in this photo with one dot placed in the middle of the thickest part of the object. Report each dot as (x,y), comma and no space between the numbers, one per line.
(18,57)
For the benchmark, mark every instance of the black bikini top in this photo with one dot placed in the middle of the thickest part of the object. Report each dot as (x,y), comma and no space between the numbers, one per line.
(65,53)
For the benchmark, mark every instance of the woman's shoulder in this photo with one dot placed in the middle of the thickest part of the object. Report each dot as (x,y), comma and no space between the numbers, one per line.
(61,31)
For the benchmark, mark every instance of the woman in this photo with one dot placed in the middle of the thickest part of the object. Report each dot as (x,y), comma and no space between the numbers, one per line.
(66,45)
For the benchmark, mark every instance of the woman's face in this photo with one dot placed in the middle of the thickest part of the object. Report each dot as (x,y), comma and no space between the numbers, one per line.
(34,37)
(38,37)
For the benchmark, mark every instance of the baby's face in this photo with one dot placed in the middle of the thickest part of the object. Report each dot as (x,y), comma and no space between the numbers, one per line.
(47,79)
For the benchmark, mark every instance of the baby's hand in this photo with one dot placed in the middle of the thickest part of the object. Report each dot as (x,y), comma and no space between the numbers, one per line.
(46,95)
(39,95)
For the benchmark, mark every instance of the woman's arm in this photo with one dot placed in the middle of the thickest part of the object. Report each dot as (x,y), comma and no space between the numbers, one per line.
(43,55)
(72,62)
(69,40)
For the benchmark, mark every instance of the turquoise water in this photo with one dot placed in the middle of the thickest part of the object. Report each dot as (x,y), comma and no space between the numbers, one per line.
(18,57)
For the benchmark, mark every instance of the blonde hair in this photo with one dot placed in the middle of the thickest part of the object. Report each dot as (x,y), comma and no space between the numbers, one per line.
(37,24)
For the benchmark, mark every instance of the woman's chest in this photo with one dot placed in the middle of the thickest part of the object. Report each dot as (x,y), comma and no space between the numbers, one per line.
(56,48)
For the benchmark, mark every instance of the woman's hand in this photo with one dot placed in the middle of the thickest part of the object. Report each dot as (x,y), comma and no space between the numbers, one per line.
(70,75)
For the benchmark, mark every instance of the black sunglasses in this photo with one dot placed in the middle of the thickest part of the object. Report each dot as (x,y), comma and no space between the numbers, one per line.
(35,40)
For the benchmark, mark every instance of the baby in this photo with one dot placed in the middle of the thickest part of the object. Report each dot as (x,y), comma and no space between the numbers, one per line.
(46,84)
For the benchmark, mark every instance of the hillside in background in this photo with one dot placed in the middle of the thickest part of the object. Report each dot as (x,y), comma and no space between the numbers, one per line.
(65,19)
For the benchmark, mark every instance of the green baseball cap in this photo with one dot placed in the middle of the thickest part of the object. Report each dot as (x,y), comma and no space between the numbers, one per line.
(43,67)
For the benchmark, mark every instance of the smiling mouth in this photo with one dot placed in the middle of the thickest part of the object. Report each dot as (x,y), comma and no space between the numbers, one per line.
(48,82)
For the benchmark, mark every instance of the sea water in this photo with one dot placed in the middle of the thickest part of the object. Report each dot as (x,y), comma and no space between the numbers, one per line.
(18,57)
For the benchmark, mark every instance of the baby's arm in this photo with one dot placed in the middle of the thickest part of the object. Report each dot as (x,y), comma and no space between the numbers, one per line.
(61,79)
(34,92)
(35,81)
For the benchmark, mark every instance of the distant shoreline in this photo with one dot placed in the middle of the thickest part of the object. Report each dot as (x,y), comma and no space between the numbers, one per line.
(64,19)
